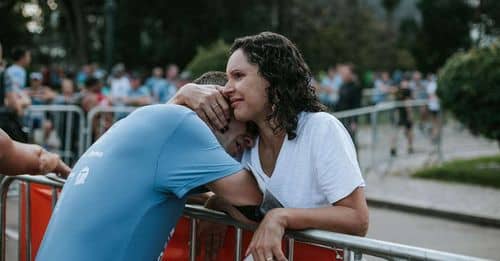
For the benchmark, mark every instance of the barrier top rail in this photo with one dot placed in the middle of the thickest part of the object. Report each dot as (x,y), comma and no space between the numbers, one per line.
(56,107)
(99,109)
(65,108)
(383,106)
(365,245)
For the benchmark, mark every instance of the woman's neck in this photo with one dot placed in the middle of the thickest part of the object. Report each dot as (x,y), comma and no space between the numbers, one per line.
(268,137)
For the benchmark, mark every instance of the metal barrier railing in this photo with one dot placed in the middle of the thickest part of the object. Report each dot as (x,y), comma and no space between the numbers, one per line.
(353,246)
(374,112)
(96,111)
(64,117)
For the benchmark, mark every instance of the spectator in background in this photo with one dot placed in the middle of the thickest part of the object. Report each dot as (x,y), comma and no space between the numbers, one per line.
(172,74)
(158,86)
(13,100)
(92,95)
(419,91)
(39,93)
(120,85)
(349,98)
(68,95)
(47,136)
(404,117)
(434,107)
(329,88)
(382,88)
(138,94)
(82,76)
(15,81)
(156,77)
(96,71)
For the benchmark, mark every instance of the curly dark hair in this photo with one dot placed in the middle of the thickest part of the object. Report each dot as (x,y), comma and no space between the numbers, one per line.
(281,64)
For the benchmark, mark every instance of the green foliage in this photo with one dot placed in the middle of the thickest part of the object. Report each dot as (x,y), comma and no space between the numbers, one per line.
(469,86)
(482,171)
(445,30)
(212,58)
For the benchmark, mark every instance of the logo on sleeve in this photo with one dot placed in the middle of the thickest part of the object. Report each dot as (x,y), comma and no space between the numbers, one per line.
(82,176)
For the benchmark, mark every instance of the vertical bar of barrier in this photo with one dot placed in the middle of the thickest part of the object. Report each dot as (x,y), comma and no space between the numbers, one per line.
(290,248)
(19,221)
(192,246)
(373,120)
(347,254)
(28,221)
(54,197)
(68,136)
(440,121)
(81,133)
(4,188)
(239,243)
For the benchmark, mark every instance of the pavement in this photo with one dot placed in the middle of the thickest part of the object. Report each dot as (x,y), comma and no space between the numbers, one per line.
(389,181)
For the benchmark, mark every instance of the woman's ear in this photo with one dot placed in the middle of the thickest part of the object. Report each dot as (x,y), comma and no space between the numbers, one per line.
(249,141)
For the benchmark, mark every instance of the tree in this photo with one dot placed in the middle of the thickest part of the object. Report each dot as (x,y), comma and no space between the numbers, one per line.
(212,58)
(13,26)
(469,86)
(445,29)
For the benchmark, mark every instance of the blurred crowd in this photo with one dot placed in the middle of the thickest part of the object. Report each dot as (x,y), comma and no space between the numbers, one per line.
(340,89)
(90,86)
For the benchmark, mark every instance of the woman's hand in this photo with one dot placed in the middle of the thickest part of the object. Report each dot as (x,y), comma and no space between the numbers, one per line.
(266,241)
(51,162)
(207,101)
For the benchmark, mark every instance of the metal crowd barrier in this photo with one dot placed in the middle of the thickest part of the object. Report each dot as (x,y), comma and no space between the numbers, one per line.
(63,119)
(353,246)
(374,113)
(99,110)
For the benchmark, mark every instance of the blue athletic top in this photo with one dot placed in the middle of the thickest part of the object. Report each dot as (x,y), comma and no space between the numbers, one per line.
(126,193)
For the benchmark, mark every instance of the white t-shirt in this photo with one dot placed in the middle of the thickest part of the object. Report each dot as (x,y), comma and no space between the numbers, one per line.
(433,99)
(316,169)
(120,87)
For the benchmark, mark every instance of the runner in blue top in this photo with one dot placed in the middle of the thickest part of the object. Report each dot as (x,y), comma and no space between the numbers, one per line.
(126,193)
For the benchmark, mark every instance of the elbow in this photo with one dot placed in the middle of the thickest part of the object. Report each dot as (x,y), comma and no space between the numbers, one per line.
(362,224)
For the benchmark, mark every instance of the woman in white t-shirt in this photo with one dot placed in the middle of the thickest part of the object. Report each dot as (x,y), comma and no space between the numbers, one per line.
(304,157)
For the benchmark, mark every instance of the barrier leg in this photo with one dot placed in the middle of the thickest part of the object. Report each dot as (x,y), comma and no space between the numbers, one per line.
(27,236)
(192,246)
(239,243)
(291,244)
(4,188)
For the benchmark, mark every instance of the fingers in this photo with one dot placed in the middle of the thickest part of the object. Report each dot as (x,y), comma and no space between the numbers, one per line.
(62,169)
(278,254)
(216,122)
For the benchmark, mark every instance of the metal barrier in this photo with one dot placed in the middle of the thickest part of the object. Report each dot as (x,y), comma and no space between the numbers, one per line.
(353,246)
(91,117)
(63,123)
(374,113)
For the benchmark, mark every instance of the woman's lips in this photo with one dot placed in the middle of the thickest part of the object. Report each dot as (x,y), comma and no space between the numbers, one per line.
(235,102)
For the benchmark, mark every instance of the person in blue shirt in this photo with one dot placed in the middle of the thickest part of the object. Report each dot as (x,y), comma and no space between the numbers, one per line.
(127,191)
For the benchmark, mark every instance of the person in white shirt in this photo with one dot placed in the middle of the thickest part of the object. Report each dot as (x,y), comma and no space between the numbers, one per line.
(434,107)
(304,157)
(120,85)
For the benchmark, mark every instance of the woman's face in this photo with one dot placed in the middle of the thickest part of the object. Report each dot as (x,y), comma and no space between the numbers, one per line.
(246,89)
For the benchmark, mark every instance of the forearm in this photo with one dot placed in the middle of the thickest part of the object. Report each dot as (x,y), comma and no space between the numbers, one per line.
(334,218)
(21,158)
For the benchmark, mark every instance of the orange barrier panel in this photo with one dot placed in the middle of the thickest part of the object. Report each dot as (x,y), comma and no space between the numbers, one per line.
(41,209)
(178,247)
